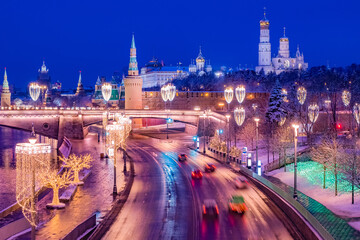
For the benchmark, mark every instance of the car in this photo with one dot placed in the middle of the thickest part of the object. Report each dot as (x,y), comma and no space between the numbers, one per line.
(240,182)
(196,174)
(182,157)
(237,204)
(210,167)
(210,208)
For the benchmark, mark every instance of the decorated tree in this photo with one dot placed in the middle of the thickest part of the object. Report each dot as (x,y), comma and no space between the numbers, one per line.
(54,180)
(276,110)
(76,164)
(215,142)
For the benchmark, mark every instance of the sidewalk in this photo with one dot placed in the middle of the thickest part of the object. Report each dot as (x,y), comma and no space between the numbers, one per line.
(336,226)
(94,196)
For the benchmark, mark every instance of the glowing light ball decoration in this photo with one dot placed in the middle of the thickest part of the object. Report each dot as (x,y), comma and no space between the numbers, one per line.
(34,90)
(165,93)
(106,89)
(346,97)
(32,162)
(171,92)
(301,95)
(239,115)
(313,112)
(228,94)
(356,112)
(240,93)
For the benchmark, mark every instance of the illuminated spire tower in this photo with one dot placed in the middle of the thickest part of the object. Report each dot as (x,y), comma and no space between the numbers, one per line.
(264,45)
(133,82)
(80,89)
(5,93)
(284,46)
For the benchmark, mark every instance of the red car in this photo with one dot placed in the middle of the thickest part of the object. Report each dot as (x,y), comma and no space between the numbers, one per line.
(210,167)
(196,174)
(210,208)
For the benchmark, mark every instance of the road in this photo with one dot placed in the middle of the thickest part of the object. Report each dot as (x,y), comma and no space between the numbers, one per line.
(165,203)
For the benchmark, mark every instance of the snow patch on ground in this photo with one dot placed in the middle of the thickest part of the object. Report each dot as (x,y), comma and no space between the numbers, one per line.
(340,205)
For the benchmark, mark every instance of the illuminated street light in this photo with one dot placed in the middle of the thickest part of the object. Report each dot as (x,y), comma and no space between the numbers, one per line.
(32,162)
(168,93)
(346,97)
(34,90)
(301,95)
(227,140)
(239,115)
(356,113)
(257,139)
(118,133)
(240,93)
(296,127)
(313,112)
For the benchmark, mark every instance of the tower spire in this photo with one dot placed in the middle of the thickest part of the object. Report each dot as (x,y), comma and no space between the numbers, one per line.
(79,83)
(284,32)
(133,65)
(264,13)
(5,86)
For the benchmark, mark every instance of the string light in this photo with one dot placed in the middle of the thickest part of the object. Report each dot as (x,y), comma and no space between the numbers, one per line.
(240,93)
(239,115)
(228,94)
(34,90)
(346,97)
(301,95)
(313,112)
(356,112)
(106,90)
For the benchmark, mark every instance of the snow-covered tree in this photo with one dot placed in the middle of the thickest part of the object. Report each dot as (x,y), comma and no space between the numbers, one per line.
(276,110)
(76,164)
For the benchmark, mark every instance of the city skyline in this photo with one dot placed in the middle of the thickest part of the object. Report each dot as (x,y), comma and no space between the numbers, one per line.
(96,40)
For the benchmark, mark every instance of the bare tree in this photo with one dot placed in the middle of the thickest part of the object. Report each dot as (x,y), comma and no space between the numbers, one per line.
(328,154)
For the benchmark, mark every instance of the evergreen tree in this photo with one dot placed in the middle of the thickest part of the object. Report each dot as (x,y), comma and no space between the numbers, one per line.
(276,110)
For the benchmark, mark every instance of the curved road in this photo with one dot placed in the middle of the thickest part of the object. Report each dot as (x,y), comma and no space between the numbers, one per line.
(165,203)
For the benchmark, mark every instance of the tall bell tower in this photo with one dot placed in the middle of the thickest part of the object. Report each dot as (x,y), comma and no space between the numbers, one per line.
(5,93)
(133,82)
(264,46)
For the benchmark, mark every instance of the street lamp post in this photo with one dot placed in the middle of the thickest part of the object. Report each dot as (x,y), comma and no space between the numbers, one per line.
(295,126)
(106,90)
(32,161)
(204,116)
(118,132)
(227,136)
(257,139)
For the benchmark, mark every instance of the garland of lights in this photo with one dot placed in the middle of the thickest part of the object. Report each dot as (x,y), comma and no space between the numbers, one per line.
(239,115)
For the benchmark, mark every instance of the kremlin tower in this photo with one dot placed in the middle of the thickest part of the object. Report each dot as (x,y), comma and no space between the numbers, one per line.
(264,47)
(80,89)
(133,82)
(5,93)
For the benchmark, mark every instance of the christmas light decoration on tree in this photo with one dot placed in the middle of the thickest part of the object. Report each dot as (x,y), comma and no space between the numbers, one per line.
(228,94)
(240,93)
(34,90)
(346,97)
(285,93)
(301,95)
(239,115)
(32,162)
(313,112)
(76,164)
(282,121)
(106,89)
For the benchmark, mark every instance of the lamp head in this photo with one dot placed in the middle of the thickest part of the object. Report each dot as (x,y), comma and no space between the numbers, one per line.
(256,119)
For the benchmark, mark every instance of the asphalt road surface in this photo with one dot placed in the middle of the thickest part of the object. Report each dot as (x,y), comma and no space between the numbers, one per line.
(165,203)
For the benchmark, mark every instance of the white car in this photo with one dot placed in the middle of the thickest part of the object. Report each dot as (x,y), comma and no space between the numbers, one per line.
(240,182)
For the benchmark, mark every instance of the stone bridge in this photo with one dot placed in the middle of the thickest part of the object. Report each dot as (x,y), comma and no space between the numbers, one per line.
(57,123)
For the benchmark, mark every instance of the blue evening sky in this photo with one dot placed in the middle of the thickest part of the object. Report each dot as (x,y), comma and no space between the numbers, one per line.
(94,36)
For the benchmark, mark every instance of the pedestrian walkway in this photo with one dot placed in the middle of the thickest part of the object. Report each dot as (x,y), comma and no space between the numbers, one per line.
(94,196)
(335,225)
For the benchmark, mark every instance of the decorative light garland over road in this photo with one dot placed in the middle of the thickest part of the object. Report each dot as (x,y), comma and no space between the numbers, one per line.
(34,90)
(313,112)
(239,115)
(106,89)
(240,93)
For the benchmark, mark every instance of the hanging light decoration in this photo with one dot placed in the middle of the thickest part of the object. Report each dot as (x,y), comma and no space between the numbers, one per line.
(171,92)
(228,94)
(239,115)
(240,93)
(356,112)
(313,112)
(327,103)
(285,93)
(106,90)
(301,95)
(282,121)
(346,97)
(34,89)
(164,93)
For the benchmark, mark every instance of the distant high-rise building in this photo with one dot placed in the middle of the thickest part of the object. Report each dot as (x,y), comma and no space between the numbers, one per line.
(44,77)
(5,93)
(283,61)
